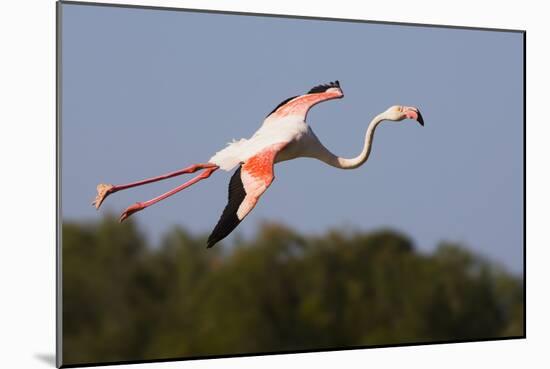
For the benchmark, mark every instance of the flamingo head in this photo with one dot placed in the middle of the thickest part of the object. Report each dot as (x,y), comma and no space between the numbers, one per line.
(397,113)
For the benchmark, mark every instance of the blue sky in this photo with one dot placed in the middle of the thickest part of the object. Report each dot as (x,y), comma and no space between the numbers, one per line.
(149,91)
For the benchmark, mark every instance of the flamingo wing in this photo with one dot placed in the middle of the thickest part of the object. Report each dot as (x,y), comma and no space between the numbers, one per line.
(247,184)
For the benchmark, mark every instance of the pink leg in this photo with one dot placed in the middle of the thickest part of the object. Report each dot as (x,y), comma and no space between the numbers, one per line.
(104,190)
(142,205)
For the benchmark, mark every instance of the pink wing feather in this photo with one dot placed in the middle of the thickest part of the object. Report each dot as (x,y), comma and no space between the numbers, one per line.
(246,186)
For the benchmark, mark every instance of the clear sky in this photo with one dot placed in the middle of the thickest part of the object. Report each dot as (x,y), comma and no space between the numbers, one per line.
(150,91)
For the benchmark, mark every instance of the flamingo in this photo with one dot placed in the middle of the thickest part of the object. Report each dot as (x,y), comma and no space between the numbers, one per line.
(283,135)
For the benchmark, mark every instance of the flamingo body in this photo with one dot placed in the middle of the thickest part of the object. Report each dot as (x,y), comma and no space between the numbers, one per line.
(273,131)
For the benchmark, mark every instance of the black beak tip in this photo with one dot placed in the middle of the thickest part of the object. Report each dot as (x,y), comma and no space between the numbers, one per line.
(420,119)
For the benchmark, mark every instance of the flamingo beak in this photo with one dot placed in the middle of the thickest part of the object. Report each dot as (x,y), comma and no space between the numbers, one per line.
(414,113)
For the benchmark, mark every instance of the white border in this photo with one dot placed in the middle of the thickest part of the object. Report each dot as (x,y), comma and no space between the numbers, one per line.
(27,113)
(411,11)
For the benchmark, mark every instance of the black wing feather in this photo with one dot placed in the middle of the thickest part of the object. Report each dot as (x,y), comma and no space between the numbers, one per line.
(281,104)
(229,220)
(323,88)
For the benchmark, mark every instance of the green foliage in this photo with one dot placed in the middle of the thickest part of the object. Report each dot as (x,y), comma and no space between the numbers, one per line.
(124,300)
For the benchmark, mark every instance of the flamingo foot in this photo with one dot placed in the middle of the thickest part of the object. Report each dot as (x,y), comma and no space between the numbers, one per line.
(103,190)
(131,210)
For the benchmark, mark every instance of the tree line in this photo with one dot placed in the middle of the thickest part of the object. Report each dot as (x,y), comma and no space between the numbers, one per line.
(279,291)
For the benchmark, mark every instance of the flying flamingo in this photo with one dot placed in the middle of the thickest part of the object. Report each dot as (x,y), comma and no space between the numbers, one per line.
(284,135)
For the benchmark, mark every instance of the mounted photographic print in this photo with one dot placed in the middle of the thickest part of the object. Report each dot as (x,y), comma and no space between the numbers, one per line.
(240,184)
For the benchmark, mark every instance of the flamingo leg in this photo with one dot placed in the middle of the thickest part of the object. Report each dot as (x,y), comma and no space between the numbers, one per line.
(138,206)
(104,190)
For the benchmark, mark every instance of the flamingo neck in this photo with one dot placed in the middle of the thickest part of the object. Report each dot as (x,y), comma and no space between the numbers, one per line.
(352,163)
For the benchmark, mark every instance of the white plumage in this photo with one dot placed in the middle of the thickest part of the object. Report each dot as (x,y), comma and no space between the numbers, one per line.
(272,131)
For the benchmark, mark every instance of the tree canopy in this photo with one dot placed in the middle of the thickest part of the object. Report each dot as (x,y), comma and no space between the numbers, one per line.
(125,300)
